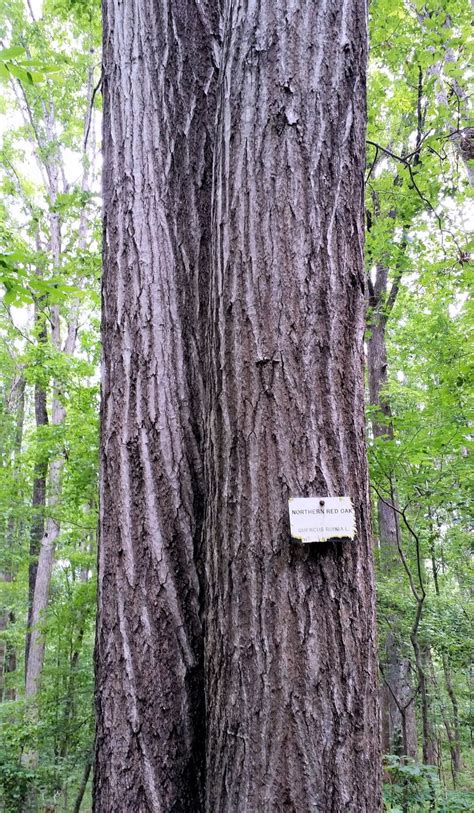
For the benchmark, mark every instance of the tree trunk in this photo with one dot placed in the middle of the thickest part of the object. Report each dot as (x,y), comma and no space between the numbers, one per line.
(42,584)
(454,732)
(423,659)
(7,617)
(44,570)
(158,85)
(39,485)
(34,664)
(83,785)
(398,708)
(453,728)
(290,650)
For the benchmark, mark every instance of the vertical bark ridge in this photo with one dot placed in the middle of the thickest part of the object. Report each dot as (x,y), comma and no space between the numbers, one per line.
(158,106)
(290,653)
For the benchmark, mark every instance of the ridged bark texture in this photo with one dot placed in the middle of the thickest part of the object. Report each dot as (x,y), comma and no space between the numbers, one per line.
(158,104)
(290,651)
(232,380)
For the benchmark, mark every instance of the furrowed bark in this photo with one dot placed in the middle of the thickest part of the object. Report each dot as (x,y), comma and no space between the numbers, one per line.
(158,105)
(290,650)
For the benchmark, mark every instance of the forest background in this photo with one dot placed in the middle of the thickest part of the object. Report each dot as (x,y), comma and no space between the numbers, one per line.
(419,175)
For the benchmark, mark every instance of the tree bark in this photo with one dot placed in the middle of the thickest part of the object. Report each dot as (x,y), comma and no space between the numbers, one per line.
(42,583)
(290,651)
(424,667)
(159,76)
(291,698)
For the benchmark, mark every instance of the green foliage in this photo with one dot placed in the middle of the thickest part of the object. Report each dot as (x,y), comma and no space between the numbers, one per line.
(412,787)
(417,222)
(16,64)
(48,187)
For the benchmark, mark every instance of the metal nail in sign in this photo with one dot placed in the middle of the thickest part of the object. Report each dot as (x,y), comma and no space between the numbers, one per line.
(318,519)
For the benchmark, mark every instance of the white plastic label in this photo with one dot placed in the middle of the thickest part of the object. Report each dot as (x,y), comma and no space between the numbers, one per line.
(318,519)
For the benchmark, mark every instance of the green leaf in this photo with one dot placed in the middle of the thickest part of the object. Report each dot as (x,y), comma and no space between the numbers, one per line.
(21,74)
(11,53)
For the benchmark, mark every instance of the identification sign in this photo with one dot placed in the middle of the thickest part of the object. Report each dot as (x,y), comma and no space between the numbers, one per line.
(318,519)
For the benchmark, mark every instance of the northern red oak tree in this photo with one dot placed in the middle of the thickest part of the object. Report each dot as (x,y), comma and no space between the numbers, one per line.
(236,671)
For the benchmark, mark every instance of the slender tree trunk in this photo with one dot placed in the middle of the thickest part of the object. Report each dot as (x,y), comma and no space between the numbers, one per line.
(398,707)
(38,505)
(455,739)
(45,560)
(70,703)
(34,665)
(7,617)
(83,785)
(39,484)
(42,584)
(290,650)
(423,659)
(453,729)
(158,90)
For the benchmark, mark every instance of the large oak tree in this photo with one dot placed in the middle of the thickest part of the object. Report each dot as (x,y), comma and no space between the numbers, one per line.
(233,379)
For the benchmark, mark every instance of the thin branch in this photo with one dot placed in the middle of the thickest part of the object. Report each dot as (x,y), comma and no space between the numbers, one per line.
(402,159)
(393,291)
(91,106)
(374,162)
(401,709)
(400,549)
